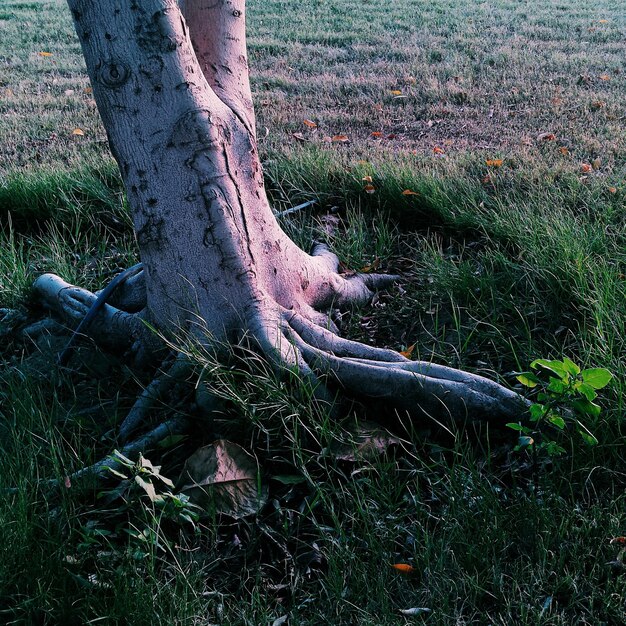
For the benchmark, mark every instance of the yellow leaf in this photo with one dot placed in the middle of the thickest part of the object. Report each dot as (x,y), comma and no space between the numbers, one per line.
(494,162)
(408,352)
(340,138)
(45,54)
(369,189)
(309,123)
(78,131)
(395,92)
(408,192)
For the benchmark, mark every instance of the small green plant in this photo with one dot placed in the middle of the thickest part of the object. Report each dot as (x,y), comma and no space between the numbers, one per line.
(565,397)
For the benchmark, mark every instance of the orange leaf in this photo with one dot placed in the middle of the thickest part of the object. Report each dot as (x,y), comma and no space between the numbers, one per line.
(546,137)
(369,189)
(78,131)
(438,150)
(494,162)
(340,138)
(612,189)
(603,21)
(408,352)
(404,568)
(408,192)
(395,92)
(88,90)
(367,179)
(605,77)
(563,150)
(45,54)
(376,133)
(309,123)
(372,267)
(585,168)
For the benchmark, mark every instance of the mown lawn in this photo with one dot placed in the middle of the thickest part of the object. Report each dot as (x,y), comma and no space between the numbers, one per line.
(506,122)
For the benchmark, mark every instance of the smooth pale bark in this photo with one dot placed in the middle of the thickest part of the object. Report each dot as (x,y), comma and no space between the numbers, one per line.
(173,91)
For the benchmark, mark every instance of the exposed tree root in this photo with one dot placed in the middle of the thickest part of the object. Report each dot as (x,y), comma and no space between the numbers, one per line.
(305,342)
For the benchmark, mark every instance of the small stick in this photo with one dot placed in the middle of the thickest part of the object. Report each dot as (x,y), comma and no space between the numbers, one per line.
(99,302)
(295,209)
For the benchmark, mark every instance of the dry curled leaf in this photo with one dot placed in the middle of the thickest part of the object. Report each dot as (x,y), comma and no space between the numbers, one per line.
(376,134)
(45,54)
(604,77)
(78,131)
(409,192)
(563,150)
(369,188)
(299,136)
(395,92)
(367,441)
(408,352)
(223,478)
(494,162)
(367,179)
(309,123)
(585,168)
(612,189)
(438,150)
(372,267)
(404,568)
(340,138)
(546,137)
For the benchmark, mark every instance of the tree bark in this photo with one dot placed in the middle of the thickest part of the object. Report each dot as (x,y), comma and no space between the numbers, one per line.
(171,84)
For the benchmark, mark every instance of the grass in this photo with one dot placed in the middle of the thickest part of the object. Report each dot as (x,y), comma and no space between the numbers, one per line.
(502,263)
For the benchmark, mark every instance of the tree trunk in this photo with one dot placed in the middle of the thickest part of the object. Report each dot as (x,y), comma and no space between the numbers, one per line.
(171,84)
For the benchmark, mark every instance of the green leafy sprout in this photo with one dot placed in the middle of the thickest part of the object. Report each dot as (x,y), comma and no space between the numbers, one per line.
(565,397)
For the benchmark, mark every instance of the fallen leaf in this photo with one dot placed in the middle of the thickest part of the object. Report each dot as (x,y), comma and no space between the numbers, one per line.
(309,123)
(87,90)
(618,540)
(368,441)
(546,137)
(597,104)
(604,77)
(391,136)
(395,92)
(67,481)
(223,478)
(68,92)
(369,189)
(408,352)
(612,189)
(372,267)
(299,136)
(376,134)
(45,54)
(404,568)
(367,179)
(494,162)
(585,168)
(340,138)
(603,21)
(563,150)
(417,610)
(408,192)
(438,150)
(78,131)
(596,163)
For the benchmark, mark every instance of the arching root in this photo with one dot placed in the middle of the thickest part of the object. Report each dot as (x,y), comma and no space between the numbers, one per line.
(423,389)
